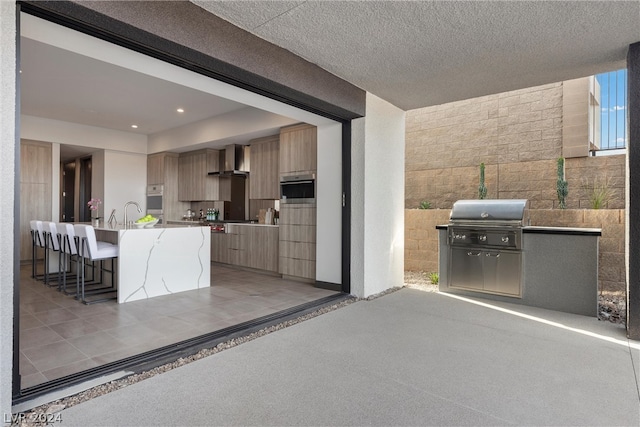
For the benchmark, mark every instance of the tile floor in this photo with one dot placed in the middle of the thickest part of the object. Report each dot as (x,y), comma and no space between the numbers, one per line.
(61,336)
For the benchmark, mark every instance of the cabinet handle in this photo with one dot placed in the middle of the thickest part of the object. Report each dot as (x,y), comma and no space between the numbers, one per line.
(473,253)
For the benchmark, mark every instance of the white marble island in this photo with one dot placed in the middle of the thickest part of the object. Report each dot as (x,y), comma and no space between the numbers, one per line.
(161,260)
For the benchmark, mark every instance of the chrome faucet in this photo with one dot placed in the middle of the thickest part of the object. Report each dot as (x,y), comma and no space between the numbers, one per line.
(125,210)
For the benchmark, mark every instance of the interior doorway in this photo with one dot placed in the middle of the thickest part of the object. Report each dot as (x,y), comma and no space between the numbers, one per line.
(85,190)
(68,192)
(76,174)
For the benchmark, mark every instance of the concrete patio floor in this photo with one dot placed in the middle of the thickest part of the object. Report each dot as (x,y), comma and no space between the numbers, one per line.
(406,358)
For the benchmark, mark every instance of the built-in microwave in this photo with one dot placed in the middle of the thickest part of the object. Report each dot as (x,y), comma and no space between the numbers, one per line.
(155,205)
(298,189)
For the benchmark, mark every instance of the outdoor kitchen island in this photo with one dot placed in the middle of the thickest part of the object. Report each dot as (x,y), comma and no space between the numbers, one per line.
(161,260)
(488,250)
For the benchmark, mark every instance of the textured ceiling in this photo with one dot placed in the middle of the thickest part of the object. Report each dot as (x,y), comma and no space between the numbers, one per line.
(421,53)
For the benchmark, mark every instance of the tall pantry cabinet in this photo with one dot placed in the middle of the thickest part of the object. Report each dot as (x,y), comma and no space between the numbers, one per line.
(298,155)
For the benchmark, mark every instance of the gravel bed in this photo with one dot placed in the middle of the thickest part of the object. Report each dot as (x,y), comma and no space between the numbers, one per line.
(611,307)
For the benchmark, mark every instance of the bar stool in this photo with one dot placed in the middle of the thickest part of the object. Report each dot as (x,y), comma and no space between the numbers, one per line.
(68,252)
(89,248)
(52,243)
(37,241)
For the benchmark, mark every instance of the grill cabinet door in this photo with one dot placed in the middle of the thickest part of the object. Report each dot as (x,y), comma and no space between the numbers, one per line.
(466,268)
(502,272)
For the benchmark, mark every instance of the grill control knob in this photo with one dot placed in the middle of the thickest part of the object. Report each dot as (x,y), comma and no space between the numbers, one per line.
(505,239)
(463,237)
(482,238)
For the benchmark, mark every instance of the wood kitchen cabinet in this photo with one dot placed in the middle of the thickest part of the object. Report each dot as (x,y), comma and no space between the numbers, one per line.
(247,245)
(262,247)
(194,183)
(156,168)
(298,149)
(35,189)
(237,244)
(264,179)
(220,247)
(298,241)
(162,168)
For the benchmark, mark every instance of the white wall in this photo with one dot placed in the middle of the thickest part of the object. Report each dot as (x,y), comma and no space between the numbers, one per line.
(235,127)
(329,204)
(125,179)
(357,206)
(39,129)
(7,202)
(377,258)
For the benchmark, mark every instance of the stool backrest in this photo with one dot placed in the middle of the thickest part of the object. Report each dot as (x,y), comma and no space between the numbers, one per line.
(88,243)
(38,234)
(67,238)
(51,231)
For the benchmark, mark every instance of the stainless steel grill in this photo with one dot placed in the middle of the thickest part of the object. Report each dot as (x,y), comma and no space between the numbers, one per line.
(485,244)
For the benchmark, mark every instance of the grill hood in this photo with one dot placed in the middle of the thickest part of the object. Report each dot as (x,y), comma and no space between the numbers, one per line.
(233,162)
(491,210)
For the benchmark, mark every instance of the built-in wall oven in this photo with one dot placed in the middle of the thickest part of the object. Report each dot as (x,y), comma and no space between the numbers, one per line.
(298,189)
(155,203)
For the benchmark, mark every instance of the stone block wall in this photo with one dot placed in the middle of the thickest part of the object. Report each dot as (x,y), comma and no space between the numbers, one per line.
(518,135)
(581,174)
(421,239)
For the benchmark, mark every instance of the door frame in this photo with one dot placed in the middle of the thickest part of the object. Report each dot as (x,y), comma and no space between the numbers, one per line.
(74,16)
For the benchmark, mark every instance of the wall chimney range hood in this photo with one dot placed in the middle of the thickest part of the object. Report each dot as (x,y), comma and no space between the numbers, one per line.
(233,162)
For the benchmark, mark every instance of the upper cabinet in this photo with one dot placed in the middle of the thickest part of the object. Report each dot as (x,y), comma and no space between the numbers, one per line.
(162,168)
(156,168)
(264,179)
(194,183)
(298,149)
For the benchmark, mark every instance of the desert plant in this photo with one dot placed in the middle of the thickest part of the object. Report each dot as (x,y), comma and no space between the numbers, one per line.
(561,185)
(433,277)
(482,189)
(424,205)
(599,191)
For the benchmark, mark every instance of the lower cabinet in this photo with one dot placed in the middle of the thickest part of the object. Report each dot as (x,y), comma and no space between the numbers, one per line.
(262,247)
(247,245)
(298,241)
(220,247)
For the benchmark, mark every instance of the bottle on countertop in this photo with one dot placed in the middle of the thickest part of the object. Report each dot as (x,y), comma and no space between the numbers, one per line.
(201,217)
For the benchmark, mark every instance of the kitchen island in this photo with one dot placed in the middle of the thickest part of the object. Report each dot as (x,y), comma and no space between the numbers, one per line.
(161,260)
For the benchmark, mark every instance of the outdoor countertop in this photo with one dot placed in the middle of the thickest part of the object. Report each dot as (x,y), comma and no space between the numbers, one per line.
(533,229)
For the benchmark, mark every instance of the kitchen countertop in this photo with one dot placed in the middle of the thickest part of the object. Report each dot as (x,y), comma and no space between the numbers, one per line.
(219,222)
(107,227)
(251,224)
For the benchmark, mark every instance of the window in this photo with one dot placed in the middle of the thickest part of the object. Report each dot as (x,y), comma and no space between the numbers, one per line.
(613,111)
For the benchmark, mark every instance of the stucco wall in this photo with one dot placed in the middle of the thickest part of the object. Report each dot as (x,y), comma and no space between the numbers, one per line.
(421,238)
(377,232)
(518,135)
(7,182)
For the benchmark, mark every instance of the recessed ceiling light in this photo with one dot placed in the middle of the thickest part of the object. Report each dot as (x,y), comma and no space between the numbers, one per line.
(180,110)
(134,126)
